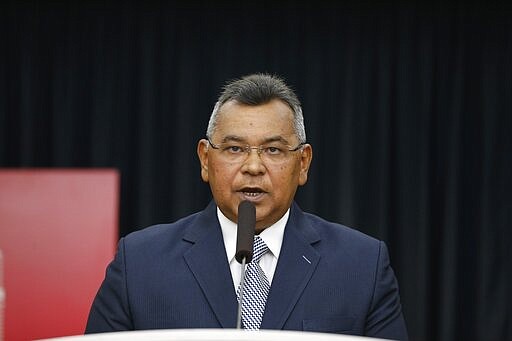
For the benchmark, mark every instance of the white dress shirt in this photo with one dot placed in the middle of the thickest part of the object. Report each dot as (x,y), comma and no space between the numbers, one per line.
(272,236)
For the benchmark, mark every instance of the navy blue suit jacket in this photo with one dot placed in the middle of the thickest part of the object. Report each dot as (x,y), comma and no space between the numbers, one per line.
(329,278)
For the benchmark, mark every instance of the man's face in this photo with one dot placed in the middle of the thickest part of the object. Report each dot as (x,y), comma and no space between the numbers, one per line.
(270,186)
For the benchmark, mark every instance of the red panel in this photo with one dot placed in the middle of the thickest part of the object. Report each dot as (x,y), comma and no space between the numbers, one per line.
(58,230)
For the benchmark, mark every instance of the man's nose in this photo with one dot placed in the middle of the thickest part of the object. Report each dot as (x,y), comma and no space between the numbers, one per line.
(253,164)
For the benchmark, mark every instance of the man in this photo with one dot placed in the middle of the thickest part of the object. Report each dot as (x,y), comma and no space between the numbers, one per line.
(317,276)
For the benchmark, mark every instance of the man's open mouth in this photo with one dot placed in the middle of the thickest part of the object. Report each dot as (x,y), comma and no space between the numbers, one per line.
(252,193)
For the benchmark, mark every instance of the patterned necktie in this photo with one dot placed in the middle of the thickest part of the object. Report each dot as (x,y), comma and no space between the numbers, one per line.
(256,288)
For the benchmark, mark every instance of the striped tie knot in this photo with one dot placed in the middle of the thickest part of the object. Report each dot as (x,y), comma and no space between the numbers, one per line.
(259,249)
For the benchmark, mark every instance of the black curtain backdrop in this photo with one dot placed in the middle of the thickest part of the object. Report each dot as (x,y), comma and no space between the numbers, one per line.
(408,109)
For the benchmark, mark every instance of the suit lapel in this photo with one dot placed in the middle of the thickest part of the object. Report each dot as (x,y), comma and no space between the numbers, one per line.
(209,264)
(297,263)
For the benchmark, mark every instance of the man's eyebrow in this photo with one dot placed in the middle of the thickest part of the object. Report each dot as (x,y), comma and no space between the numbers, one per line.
(277,138)
(233,138)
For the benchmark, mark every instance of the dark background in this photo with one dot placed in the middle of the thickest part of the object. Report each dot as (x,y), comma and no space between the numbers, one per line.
(408,109)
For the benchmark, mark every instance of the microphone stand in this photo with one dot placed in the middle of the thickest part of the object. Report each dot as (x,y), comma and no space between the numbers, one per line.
(241,296)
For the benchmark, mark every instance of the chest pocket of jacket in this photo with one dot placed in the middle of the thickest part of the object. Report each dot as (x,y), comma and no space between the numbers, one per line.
(334,324)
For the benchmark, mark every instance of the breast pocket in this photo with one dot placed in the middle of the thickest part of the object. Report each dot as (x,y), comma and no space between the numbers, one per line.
(334,324)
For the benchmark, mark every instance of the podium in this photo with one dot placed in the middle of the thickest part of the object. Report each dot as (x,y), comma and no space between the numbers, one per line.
(213,335)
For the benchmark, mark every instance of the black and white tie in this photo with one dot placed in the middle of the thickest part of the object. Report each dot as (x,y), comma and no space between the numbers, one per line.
(256,288)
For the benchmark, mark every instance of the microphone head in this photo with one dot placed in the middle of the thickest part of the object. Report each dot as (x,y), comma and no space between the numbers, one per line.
(245,231)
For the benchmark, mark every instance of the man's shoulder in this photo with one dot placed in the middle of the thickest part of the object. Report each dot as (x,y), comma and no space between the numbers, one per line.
(338,237)
(335,228)
(162,232)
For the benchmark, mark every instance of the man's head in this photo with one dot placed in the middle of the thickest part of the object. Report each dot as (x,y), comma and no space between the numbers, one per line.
(255,148)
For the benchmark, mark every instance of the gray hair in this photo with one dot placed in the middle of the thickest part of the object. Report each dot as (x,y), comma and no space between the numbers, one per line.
(259,89)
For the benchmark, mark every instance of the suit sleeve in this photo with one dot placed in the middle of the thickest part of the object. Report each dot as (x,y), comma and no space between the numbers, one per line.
(385,318)
(110,309)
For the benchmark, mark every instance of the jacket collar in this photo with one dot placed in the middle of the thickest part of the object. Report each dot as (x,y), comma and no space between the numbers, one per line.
(208,262)
(297,263)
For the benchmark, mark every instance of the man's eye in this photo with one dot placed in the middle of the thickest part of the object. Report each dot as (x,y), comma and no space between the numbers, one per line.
(234,149)
(273,150)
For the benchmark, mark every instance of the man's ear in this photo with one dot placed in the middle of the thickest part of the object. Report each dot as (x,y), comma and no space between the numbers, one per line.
(305,161)
(202,153)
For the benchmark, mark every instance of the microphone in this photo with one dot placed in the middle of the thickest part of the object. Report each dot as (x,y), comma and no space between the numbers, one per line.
(245,231)
(244,245)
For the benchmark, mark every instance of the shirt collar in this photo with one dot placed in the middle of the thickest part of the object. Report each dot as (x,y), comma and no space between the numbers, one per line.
(272,235)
